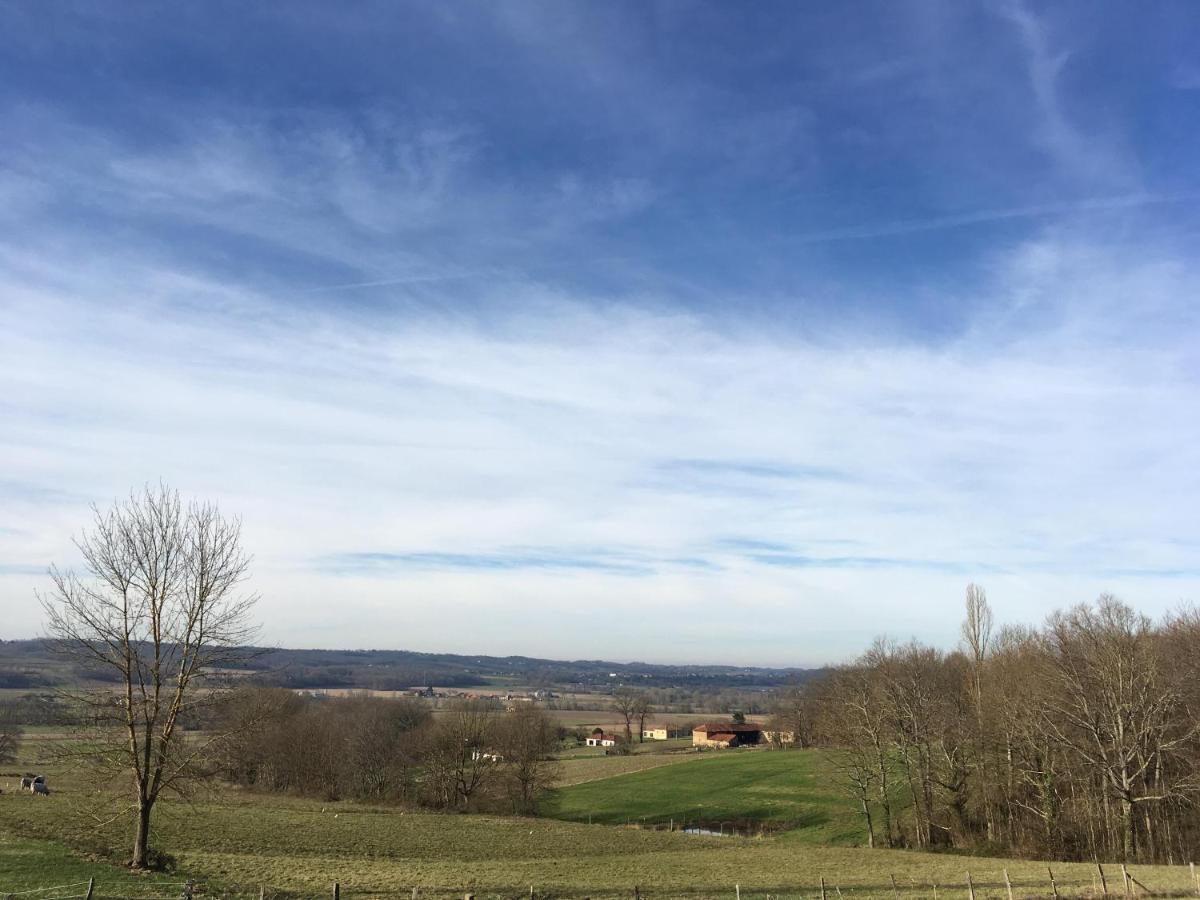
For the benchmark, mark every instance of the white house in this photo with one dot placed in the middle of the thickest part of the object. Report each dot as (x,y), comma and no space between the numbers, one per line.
(664,733)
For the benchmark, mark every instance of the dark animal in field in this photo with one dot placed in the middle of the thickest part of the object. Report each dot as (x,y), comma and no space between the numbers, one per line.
(39,787)
(26,783)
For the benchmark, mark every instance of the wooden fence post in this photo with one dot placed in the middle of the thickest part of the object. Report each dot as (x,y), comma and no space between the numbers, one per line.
(970,886)
(262,892)
(91,888)
(1103,880)
(337,891)
(1195,880)
(1008,884)
(1125,878)
(1053,884)
(822,887)
(737,889)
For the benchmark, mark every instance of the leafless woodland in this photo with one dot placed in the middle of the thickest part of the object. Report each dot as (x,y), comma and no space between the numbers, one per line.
(1076,740)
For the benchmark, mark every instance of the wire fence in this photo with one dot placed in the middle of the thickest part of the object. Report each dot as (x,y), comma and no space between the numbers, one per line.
(1105,884)
(701,826)
(90,890)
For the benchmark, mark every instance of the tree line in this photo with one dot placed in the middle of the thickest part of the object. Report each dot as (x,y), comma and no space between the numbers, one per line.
(1076,740)
(474,755)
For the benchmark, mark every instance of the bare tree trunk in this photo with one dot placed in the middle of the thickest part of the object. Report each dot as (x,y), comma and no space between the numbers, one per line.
(1128,841)
(141,841)
(885,798)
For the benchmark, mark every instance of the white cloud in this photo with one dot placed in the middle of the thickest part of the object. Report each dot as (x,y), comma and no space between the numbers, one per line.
(1089,157)
(1048,462)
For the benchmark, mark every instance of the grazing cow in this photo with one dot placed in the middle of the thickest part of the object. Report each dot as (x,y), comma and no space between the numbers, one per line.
(26,783)
(39,787)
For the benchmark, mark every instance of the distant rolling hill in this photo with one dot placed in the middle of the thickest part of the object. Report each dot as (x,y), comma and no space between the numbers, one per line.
(31,664)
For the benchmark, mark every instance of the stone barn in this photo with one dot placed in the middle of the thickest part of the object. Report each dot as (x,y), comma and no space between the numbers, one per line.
(727,734)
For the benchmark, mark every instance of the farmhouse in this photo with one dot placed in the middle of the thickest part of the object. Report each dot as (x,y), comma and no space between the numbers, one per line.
(663,733)
(726,734)
(600,739)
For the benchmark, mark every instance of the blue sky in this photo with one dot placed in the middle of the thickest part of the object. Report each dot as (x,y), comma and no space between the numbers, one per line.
(638,330)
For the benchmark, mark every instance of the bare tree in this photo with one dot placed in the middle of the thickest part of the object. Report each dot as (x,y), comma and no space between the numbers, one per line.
(1114,707)
(642,709)
(462,756)
(855,717)
(627,702)
(526,738)
(977,635)
(159,606)
(380,748)
(10,738)
(854,771)
(792,715)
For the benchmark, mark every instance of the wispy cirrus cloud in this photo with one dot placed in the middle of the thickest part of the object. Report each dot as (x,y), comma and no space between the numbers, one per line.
(749,468)
(791,560)
(991,216)
(384,563)
(693,465)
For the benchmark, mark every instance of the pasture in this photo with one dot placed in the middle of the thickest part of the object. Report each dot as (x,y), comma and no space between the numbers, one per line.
(778,789)
(298,848)
(237,841)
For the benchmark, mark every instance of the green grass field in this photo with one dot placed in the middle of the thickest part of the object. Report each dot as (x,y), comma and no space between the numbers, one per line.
(27,864)
(781,789)
(235,841)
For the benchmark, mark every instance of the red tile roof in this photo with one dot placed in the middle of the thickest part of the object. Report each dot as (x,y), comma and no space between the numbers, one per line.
(728,727)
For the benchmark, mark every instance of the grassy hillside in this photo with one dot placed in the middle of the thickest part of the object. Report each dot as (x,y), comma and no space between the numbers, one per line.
(781,789)
(233,840)
(298,848)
